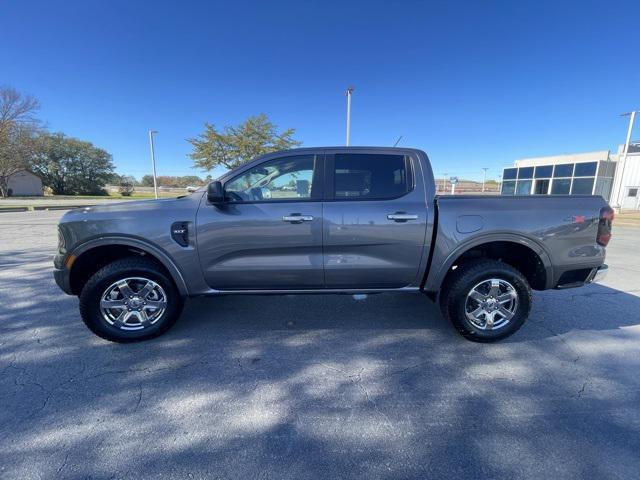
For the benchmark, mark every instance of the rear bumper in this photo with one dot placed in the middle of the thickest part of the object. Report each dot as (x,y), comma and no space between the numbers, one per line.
(581,276)
(599,274)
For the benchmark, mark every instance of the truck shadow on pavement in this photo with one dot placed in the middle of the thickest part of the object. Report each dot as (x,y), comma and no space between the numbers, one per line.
(317,386)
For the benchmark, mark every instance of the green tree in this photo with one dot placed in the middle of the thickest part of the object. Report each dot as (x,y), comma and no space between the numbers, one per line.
(72,167)
(235,145)
(146,181)
(174,182)
(18,129)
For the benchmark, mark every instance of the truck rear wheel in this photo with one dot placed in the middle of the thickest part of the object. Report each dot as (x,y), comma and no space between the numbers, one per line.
(486,300)
(130,300)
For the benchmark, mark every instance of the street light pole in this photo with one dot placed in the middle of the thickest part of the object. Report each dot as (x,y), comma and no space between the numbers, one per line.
(624,155)
(484,176)
(349,92)
(153,163)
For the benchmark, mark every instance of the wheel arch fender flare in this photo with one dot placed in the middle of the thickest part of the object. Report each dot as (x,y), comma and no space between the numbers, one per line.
(434,283)
(143,246)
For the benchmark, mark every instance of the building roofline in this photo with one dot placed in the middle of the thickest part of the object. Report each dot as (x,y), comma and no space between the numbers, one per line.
(593,152)
(28,171)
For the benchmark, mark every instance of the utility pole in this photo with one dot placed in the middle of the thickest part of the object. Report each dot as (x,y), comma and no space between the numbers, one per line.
(349,92)
(153,163)
(624,156)
(444,182)
(484,176)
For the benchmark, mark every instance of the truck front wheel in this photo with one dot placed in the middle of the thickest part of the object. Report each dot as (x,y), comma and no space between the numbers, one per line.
(130,300)
(486,300)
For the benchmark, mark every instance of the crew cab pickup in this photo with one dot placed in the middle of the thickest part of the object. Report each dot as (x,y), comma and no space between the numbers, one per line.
(335,220)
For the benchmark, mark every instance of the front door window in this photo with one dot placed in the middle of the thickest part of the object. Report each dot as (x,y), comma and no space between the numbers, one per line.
(282,179)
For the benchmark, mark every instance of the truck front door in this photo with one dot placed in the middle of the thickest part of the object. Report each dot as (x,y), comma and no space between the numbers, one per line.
(268,233)
(375,220)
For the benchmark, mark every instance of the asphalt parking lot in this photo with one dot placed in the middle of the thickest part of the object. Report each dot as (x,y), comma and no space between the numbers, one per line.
(316,386)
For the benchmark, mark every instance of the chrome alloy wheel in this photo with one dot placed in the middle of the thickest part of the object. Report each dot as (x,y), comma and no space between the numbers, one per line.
(491,304)
(133,303)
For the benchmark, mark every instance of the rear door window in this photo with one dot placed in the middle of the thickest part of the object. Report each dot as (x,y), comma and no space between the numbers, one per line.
(371,176)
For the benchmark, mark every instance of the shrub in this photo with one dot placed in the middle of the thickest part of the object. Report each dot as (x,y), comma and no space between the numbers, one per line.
(126,187)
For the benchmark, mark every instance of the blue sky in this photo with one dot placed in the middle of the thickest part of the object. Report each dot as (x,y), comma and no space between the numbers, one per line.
(475,84)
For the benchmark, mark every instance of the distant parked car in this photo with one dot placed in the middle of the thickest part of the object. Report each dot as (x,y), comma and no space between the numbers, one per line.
(191,188)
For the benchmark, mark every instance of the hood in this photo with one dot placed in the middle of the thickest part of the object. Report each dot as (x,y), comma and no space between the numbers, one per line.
(128,208)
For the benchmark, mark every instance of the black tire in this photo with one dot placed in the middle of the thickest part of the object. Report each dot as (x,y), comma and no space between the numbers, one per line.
(453,298)
(91,296)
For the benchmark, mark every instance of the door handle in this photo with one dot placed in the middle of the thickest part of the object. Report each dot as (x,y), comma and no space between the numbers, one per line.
(297,218)
(401,217)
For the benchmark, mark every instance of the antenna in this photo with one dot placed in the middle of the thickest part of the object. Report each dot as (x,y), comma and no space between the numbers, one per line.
(397,141)
(349,93)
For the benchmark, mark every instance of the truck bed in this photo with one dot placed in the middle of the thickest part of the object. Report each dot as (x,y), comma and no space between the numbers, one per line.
(560,229)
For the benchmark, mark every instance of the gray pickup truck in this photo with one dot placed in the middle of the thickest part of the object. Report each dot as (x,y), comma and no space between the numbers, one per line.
(329,220)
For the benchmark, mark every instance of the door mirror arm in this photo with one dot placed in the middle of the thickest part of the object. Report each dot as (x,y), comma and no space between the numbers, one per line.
(215,193)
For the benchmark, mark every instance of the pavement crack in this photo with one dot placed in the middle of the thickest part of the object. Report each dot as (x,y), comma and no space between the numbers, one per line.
(240,365)
(358,381)
(405,369)
(199,361)
(139,397)
(544,326)
(581,391)
(64,464)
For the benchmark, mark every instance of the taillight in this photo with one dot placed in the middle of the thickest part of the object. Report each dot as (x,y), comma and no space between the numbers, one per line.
(604,225)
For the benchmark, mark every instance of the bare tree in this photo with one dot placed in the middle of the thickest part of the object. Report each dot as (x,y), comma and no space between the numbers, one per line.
(18,127)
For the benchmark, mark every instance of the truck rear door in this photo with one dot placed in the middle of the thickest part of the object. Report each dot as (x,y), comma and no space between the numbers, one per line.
(375,219)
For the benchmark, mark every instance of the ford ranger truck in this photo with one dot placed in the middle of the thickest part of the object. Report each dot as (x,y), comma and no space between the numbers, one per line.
(335,220)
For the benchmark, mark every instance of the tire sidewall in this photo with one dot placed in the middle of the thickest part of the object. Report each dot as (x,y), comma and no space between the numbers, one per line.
(94,289)
(466,283)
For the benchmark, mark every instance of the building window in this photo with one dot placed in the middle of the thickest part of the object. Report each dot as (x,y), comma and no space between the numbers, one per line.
(604,181)
(582,186)
(541,187)
(508,188)
(510,174)
(603,187)
(561,186)
(564,170)
(633,192)
(607,169)
(524,187)
(585,169)
(544,171)
(525,173)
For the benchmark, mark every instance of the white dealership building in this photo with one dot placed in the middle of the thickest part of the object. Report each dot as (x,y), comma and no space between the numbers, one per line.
(593,173)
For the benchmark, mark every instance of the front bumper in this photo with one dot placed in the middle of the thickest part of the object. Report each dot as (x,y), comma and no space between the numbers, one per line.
(61,274)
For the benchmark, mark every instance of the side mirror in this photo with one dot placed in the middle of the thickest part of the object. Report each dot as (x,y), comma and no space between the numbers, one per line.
(215,192)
